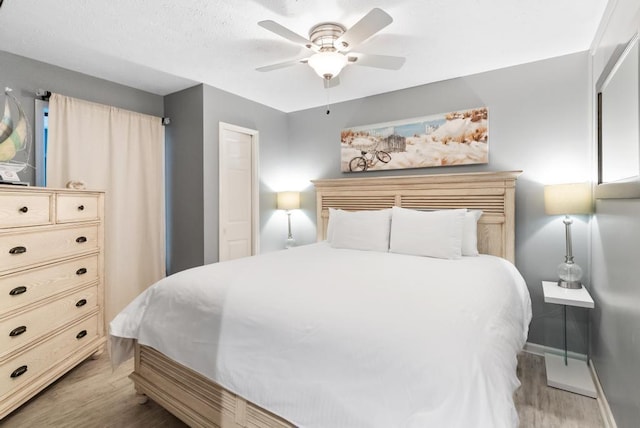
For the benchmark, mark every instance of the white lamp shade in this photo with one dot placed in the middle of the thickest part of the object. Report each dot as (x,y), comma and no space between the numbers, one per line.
(288,200)
(328,64)
(573,198)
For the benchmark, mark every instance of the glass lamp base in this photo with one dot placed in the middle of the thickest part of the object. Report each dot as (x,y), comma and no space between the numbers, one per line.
(569,284)
(570,275)
(290,243)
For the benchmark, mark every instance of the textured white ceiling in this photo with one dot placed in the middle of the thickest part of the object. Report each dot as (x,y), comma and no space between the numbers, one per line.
(163,46)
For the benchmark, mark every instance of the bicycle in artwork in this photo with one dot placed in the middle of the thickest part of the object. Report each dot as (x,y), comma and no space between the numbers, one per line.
(368,159)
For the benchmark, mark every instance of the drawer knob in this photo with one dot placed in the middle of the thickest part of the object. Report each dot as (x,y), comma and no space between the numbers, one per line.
(80,207)
(18,290)
(19,371)
(18,331)
(24,209)
(18,250)
(81,302)
(82,334)
(81,239)
(81,271)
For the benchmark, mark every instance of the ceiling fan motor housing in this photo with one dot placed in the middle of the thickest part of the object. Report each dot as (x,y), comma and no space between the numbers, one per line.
(325,34)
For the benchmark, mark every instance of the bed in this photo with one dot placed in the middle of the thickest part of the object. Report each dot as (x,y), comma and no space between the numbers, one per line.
(320,336)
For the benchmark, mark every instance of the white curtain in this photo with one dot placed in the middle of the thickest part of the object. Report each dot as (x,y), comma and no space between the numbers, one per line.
(122,153)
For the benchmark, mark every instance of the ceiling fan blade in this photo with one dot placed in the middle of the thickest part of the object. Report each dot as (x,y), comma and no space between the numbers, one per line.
(331,83)
(281,31)
(370,24)
(283,64)
(378,61)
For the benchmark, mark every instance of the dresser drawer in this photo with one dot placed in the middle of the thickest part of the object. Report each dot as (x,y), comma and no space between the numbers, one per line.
(26,367)
(25,209)
(26,287)
(72,208)
(24,249)
(21,329)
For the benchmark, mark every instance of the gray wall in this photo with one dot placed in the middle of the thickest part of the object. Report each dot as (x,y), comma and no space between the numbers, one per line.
(184,172)
(615,266)
(538,122)
(25,76)
(192,170)
(535,109)
(221,106)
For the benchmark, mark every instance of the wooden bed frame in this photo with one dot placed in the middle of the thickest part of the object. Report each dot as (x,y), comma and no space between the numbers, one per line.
(200,402)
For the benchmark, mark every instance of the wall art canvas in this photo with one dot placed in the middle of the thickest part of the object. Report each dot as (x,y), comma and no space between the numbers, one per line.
(455,138)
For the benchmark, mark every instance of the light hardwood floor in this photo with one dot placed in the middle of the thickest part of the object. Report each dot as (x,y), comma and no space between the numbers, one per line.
(93,396)
(541,406)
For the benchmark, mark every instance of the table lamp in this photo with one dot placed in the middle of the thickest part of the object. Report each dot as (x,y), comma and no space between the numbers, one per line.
(573,198)
(288,201)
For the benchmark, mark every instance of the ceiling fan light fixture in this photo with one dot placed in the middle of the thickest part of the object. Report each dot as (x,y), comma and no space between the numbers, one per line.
(328,64)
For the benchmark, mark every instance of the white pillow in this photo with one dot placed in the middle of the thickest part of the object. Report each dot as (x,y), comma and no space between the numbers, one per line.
(360,230)
(431,233)
(333,219)
(470,233)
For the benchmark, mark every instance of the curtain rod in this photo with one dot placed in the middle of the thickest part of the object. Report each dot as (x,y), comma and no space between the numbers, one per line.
(45,95)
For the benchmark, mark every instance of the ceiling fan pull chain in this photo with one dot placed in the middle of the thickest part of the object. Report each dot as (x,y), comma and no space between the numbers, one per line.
(326,88)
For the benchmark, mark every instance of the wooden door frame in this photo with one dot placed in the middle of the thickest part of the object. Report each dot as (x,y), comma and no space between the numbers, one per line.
(255,182)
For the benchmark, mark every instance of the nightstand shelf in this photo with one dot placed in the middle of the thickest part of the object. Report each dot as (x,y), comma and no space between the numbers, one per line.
(566,296)
(566,373)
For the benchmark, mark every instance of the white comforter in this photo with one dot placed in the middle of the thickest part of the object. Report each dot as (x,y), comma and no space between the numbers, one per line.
(342,338)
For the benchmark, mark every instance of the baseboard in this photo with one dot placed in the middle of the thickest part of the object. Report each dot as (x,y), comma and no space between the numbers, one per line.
(603,404)
(605,410)
(534,348)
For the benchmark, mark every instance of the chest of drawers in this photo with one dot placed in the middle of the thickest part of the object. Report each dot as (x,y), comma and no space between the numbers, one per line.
(51,287)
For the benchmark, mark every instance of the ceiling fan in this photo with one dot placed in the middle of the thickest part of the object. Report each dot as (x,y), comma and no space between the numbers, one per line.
(331,44)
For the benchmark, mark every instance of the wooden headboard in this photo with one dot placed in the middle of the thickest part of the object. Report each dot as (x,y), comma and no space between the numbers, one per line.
(491,192)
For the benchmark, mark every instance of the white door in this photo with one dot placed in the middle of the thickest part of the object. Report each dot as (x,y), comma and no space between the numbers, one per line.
(238,192)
